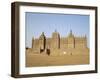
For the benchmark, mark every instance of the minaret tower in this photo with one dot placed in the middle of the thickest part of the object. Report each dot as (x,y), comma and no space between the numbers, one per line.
(71,40)
(42,40)
(55,40)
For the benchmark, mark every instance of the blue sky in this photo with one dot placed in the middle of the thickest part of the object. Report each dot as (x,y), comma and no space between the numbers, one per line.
(36,23)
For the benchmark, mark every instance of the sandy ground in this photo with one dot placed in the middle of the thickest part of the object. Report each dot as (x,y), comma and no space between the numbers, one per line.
(45,60)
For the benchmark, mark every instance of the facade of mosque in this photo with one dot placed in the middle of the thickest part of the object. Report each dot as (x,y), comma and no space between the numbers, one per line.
(57,45)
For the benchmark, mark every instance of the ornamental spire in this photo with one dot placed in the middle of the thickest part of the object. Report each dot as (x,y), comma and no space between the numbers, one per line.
(71,34)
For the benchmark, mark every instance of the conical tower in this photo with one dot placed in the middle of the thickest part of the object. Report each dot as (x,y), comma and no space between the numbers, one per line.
(55,40)
(71,40)
(42,41)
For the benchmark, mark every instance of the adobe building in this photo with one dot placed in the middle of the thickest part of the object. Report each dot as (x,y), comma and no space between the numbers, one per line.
(56,45)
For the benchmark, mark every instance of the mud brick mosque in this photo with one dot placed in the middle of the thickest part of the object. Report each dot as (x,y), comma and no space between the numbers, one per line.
(56,45)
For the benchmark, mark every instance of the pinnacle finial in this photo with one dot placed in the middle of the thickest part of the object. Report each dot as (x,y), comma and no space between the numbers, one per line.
(70,31)
(71,34)
(55,30)
(42,33)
